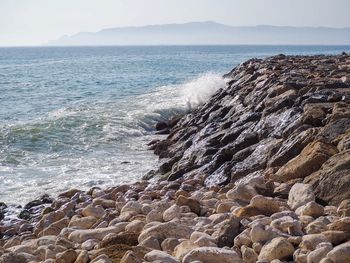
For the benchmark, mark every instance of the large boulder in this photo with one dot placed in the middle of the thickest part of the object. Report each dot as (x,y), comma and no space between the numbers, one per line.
(332,182)
(308,161)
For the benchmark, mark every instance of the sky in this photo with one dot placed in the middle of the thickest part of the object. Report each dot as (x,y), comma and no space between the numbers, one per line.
(35,22)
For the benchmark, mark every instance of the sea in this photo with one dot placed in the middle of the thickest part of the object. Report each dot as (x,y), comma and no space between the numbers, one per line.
(80,117)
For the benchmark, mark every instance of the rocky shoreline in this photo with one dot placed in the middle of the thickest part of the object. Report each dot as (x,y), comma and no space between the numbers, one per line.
(259,173)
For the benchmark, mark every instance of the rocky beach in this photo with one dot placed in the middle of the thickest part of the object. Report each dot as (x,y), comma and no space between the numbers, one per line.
(258,173)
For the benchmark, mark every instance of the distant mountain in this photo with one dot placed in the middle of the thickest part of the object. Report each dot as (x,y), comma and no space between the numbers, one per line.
(208,33)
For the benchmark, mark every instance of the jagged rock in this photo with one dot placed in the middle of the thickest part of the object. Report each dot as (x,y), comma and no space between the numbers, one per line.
(308,161)
(331,183)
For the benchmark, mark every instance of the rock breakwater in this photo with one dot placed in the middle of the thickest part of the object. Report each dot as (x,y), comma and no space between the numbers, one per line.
(259,173)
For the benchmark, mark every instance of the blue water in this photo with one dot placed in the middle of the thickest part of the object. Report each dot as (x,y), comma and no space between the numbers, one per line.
(82,116)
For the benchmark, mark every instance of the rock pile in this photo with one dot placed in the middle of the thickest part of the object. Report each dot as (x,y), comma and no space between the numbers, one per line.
(260,173)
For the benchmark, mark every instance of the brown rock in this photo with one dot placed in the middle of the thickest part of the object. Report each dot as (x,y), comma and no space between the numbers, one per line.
(332,182)
(308,161)
(192,203)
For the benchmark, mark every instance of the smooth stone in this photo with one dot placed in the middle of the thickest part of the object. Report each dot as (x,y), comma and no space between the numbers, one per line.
(340,254)
(277,248)
(81,236)
(212,255)
(161,256)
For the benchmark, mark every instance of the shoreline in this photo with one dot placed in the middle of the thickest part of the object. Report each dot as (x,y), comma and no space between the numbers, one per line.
(259,173)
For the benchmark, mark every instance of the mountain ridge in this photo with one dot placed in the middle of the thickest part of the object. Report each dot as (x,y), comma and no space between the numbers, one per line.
(208,33)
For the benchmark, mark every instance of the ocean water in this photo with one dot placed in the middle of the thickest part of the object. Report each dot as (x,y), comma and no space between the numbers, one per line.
(82,116)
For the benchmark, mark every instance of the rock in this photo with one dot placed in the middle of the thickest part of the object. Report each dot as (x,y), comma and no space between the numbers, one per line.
(82,235)
(241,192)
(319,253)
(344,208)
(68,256)
(172,212)
(331,183)
(267,205)
(343,224)
(166,230)
(82,222)
(83,257)
(126,238)
(212,255)
(192,203)
(261,234)
(277,248)
(183,248)
(308,161)
(160,256)
(135,226)
(310,242)
(228,230)
(340,254)
(169,244)
(249,255)
(131,257)
(13,258)
(311,209)
(151,243)
(300,194)
(94,211)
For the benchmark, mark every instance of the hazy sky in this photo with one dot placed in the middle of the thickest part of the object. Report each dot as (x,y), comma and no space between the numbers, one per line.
(34,22)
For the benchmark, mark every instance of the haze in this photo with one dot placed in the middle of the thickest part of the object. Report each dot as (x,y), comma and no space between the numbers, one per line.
(35,22)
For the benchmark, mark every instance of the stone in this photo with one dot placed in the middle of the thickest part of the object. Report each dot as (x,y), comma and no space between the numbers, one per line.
(151,242)
(342,224)
(171,213)
(331,183)
(82,222)
(311,209)
(267,205)
(241,193)
(160,256)
(169,244)
(310,242)
(80,236)
(68,256)
(183,248)
(166,230)
(261,234)
(135,226)
(83,257)
(249,255)
(192,203)
(340,254)
(277,248)
(344,208)
(308,161)
(300,194)
(226,232)
(13,258)
(319,253)
(212,255)
(131,257)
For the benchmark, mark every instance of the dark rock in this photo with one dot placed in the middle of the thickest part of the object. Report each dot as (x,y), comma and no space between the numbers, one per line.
(161,126)
(25,214)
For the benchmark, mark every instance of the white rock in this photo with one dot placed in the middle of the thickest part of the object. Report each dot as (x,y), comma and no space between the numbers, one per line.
(300,194)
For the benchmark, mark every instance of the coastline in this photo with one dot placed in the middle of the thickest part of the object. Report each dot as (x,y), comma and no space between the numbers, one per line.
(259,172)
